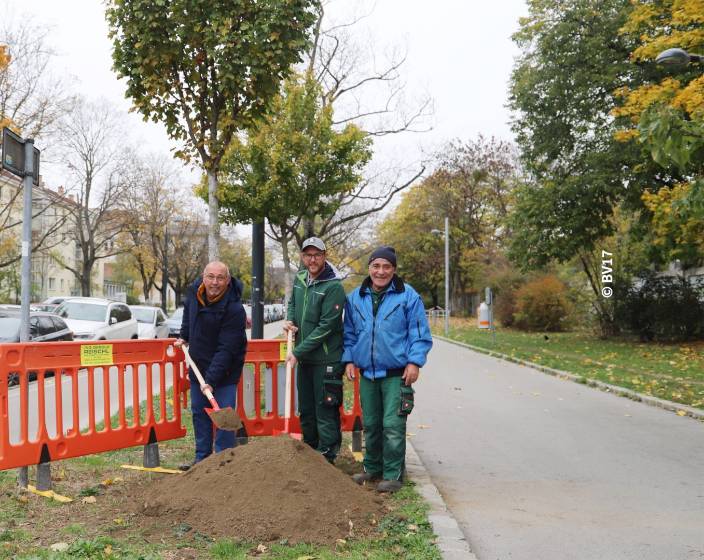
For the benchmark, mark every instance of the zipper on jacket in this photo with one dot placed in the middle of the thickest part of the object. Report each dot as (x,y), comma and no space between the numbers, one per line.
(392,311)
(418,327)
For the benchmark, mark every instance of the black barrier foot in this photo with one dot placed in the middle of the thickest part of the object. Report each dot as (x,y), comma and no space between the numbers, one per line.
(23,477)
(357,435)
(242,438)
(151,452)
(44,477)
(151,456)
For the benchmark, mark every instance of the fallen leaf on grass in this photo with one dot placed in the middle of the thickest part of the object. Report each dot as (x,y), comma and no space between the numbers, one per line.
(306,558)
(118,521)
(262,548)
(59,547)
(341,541)
(89,500)
(412,527)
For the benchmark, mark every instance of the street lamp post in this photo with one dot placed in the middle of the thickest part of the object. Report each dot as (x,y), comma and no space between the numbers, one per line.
(446,235)
(678,57)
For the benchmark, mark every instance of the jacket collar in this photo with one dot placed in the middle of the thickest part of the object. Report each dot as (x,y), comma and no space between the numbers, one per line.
(396,285)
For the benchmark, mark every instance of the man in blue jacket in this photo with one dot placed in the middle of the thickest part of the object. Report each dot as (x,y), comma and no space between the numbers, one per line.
(387,337)
(213,326)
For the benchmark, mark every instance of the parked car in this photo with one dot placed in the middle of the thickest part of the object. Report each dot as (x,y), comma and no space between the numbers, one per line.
(248,312)
(48,307)
(174,323)
(151,321)
(55,300)
(98,319)
(279,311)
(43,327)
(268,313)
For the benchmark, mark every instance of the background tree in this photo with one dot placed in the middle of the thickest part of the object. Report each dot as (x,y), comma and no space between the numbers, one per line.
(666,114)
(562,91)
(188,251)
(212,74)
(31,96)
(292,166)
(31,102)
(102,176)
(149,210)
(472,186)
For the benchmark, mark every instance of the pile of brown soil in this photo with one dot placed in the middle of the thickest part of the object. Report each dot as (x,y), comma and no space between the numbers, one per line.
(274,488)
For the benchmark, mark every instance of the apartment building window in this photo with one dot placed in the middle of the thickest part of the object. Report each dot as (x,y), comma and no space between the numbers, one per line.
(62,285)
(52,283)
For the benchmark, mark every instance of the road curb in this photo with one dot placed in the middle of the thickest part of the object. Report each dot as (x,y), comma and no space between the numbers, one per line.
(450,540)
(680,409)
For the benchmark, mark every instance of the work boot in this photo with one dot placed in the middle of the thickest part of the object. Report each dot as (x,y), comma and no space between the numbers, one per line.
(361,478)
(389,486)
(186,466)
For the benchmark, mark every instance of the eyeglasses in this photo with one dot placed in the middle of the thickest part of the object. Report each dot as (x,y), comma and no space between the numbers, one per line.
(212,278)
(311,256)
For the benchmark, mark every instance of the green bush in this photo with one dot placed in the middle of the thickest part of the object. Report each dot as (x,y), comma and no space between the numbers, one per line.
(661,308)
(542,305)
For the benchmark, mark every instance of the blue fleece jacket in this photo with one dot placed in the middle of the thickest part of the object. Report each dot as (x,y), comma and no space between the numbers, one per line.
(399,334)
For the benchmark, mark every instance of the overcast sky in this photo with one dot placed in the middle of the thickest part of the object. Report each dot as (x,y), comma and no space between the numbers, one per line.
(459,52)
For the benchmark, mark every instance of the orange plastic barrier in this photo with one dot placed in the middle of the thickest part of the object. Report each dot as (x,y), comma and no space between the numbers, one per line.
(93,397)
(79,387)
(263,354)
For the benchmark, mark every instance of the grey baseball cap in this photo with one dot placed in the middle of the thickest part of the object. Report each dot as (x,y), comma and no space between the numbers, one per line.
(313,242)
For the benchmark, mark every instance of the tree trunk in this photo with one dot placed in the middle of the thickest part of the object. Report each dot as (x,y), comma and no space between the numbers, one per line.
(287,271)
(213,216)
(85,280)
(308,227)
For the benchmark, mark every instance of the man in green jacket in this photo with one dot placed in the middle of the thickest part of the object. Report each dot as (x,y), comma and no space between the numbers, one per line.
(315,316)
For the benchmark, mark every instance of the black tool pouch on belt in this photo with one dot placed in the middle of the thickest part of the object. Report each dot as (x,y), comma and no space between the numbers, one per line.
(332,390)
(406,404)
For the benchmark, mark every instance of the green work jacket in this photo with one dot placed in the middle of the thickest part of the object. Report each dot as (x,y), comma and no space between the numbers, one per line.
(316,309)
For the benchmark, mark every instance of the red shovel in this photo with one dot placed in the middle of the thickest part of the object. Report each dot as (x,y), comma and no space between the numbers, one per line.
(223,418)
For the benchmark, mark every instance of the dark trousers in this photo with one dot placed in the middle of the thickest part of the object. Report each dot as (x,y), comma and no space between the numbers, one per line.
(203,425)
(320,423)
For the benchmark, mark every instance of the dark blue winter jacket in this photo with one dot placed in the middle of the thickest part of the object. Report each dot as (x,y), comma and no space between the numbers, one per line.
(399,334)
(216,335)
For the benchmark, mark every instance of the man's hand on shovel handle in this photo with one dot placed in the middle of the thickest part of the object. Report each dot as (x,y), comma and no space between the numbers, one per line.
(349,370)
(205,388)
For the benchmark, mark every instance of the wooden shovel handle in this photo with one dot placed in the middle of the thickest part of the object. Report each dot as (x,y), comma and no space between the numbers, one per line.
(289,374)
(208,394)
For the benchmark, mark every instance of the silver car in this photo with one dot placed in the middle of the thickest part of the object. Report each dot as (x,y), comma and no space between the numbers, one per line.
(151,321)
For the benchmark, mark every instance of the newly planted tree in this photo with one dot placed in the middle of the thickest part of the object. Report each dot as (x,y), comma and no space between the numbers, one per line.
(206,69)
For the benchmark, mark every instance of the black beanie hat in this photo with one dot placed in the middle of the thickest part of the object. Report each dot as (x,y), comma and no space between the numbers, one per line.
(387,253)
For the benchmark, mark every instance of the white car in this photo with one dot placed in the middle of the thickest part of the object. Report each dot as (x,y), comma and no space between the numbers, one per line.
(151,321)
(98,319)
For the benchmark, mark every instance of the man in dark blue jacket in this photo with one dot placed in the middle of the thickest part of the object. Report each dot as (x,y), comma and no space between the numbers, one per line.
(213,326)
(387,337)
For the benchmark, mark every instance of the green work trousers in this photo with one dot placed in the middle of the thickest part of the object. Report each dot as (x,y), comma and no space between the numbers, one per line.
(384,428)
(320,420)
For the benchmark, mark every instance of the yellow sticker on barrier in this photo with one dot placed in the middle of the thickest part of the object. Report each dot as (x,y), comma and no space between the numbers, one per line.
(96,355)
(283,351)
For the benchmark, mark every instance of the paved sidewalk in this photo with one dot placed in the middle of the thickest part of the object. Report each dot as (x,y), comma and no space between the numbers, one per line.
(535,467)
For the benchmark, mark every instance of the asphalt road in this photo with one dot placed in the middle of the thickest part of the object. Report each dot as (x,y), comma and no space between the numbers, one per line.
(271,330)
(537,468)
